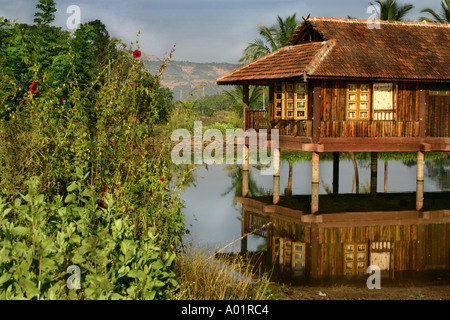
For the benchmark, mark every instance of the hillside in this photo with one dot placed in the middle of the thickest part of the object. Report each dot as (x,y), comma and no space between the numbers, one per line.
(182,77)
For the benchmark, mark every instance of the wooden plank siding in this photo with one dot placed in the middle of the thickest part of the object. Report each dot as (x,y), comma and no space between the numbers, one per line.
(438,116)
(435,114)
(372,129)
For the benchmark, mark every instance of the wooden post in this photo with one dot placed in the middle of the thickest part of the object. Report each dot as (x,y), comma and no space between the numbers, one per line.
(315,183)
(385,176)
(288,189)
(373,175)
(335,173)
(276,189)
(244,241)
(245,102)
(244,183)
(420,177)
(246,158)
(317,105)
(422,111)
(276,162)
(314,251)
(271,111)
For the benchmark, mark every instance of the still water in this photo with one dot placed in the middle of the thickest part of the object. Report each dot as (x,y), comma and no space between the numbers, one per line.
(333,246)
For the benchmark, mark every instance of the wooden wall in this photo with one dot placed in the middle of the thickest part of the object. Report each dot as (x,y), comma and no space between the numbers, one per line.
(438,116)
(406,124)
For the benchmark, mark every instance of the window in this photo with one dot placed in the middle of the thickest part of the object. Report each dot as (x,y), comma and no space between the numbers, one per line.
(358,101)
(441,89)
(291,100)
(355,259)
(383,101)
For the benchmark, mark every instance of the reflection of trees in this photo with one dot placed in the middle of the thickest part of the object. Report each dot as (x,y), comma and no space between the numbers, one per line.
(185,173)
(439,171)
(236,174)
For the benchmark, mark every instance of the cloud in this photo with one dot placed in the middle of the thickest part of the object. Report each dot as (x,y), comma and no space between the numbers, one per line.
(203,30)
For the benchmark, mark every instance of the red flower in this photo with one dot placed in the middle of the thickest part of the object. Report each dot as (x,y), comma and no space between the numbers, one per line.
(61,100)
(102,204)
(105,188)
(165,189)
(32,87)
(161,179)
(137,54)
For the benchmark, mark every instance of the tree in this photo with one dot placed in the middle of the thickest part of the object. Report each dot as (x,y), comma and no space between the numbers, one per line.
(391,11)
(272,38)
(236,95)
(104,47)
(46,16)
(444,16)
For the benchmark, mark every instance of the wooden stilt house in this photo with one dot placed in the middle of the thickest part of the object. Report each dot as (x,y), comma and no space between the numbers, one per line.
(344,85)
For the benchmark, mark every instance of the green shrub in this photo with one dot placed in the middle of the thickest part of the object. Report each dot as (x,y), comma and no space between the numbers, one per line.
(83,127)
(41,239)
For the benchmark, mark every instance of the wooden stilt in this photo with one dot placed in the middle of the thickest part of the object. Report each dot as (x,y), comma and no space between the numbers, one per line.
(245,105)
(314,251)
(373,175)
(335,173)
(385,176)
(244,183)
(276,189)
(246,159)
(315,183)
(244,222)
(288,189)
(276,162)
(420,178)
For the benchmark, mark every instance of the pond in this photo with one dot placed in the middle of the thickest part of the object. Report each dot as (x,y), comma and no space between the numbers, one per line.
(351,231)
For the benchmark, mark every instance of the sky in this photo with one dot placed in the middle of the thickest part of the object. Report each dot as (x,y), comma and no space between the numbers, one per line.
(201,30)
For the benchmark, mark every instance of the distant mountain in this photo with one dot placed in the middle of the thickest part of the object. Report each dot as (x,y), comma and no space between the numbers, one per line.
(182,77)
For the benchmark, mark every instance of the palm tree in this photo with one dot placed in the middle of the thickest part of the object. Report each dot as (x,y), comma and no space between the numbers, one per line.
(444,16)
(391,11)
(272,38)
(236,95)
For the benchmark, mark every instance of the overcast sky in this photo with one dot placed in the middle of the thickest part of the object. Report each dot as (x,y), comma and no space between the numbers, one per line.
(203,30)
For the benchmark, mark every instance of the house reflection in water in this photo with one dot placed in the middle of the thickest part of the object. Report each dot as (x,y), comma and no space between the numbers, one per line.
(351,233)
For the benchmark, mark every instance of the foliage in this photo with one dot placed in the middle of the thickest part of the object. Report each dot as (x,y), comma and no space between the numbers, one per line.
(46,15)
(42,239)
(272,38)
(210,104)
(83,127)
(254,100)
(391,11)
(443,17)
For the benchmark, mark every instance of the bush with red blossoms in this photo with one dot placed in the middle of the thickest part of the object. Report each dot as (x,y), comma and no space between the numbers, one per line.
(68,118)
(137,53)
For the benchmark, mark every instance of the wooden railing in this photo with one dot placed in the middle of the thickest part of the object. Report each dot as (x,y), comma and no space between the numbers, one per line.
(300,128)
(257,119)
(373,129)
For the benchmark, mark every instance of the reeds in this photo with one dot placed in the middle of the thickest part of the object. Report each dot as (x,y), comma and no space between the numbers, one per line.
(204,277)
